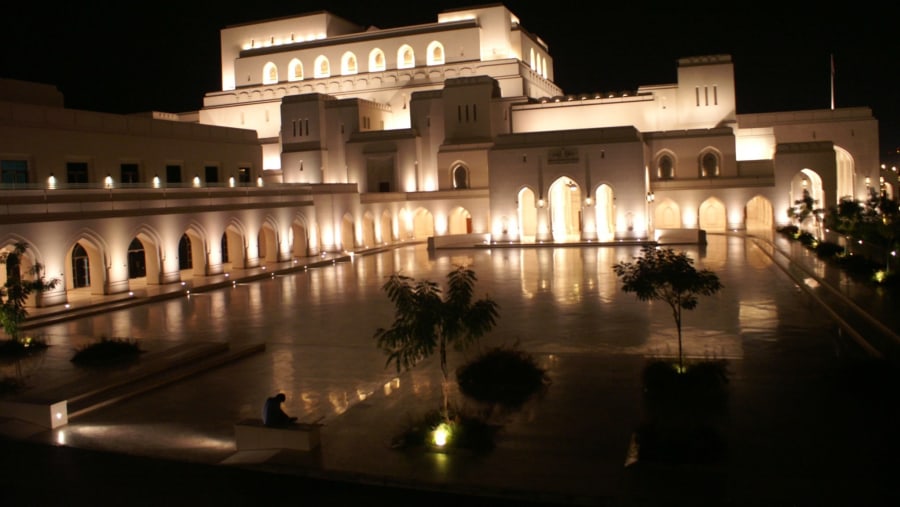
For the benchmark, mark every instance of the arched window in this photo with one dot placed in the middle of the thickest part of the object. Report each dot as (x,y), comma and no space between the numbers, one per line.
(348,64)
(322,67)
(376,60)
(406,59)
(295,70)
(270,73)
(531,62)
(544,67)
(665,167)
(460,175)
(435,53)
(709,165)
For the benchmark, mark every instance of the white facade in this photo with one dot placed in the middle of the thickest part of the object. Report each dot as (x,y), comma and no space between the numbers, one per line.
(340,138)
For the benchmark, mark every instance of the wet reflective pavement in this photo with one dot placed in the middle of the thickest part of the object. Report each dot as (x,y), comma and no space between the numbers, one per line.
(811,420)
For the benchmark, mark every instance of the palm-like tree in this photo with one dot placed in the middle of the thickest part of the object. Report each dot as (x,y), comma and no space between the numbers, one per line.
(669,276)
(15,292)
(425,321)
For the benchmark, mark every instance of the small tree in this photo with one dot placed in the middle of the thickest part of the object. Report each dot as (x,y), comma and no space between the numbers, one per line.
(16,290)
(665,275)
(424,321)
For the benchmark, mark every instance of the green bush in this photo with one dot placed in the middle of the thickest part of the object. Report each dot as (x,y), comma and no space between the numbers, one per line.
(828,250)
(701,388)
(467,432)
(502,376)
(108,352)
(13,350)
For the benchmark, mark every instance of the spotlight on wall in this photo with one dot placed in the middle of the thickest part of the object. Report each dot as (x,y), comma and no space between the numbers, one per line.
(51,181)
(108,181)
(540,203)
(650,197)
(156,181)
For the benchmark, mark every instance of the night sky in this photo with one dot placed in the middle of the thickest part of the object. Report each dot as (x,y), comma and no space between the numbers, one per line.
(133,57)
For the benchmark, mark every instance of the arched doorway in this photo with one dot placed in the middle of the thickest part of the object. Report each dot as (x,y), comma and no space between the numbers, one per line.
(368,230)
(759,217)
(347,235)
(137,261)
(423,224)
(667,215)
(300,243)
(460,221)
(606,214)
(81,267)
(565,210)
(387,229)
(712,215)
(527,215)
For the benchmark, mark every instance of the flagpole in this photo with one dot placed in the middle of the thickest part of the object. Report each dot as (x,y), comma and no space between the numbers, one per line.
(832,81)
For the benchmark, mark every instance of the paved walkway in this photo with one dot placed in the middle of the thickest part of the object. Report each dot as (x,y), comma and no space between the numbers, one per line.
(811,421)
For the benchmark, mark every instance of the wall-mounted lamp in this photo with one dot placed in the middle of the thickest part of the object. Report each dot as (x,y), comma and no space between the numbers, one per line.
(650,197)
(51,181)
(588,201)
(196,180)
(231,181)
(108,181)
(156,181)
(540,203)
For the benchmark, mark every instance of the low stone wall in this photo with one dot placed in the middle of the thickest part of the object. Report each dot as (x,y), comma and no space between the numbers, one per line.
(680,236)
(252,435)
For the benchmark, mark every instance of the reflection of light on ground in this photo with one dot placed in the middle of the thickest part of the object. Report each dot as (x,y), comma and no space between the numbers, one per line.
(152,436)
(339,402)
(757,314)
(696,343)
(811,283)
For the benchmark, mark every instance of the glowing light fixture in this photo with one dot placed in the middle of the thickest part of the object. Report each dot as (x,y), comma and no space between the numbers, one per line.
(156,181)
(441,435)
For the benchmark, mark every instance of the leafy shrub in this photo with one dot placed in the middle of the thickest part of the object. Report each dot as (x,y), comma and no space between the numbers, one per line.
(12,350)
(858,266)
(11,385)
(467,432)
(108,352)
(703,386)
(789,230)
(806,238)
(828,250)
(502,376)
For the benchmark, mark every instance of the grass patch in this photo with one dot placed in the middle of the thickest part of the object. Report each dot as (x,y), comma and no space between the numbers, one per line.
(14,350)
(683,411)
(502,376)
(465,432)
(108,352)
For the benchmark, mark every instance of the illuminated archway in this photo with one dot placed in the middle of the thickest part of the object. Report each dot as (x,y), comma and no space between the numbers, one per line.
(376,60)
(435,53)
(405,57)
(295,70)
(387,228)
(666,215)
(527,213)
(423,224)
(270,73)
(300,244)
(565,210)
(347,236)
(368,230)
(712,217)
(322,68)
(348,64)
(759,217)
(605,213)
(460,221)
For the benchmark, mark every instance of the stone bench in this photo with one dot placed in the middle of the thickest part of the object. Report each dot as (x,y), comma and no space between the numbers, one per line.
(252,435)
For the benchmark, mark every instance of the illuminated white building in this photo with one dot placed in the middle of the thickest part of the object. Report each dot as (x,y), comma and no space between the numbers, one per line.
(341,137)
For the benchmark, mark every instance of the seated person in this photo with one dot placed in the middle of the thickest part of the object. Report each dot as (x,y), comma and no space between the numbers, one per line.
(273,415)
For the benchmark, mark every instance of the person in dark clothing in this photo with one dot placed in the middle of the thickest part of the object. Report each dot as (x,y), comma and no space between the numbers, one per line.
(273,415)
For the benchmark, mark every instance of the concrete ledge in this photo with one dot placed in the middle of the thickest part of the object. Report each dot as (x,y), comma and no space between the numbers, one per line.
(457,240)
(47,415)
(680,236)
(252,434)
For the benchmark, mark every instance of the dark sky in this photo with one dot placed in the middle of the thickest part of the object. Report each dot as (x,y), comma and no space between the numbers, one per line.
(133,56)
